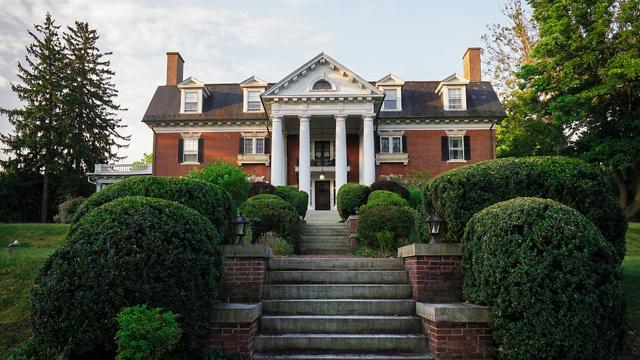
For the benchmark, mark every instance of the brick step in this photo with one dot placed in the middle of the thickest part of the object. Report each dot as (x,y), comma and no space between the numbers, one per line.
(339,307)
(338,277)
(343,356)
(350,263)
(337,291)
(340,324)
(353,343)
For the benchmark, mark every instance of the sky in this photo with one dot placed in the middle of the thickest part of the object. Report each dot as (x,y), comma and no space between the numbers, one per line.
(228,41)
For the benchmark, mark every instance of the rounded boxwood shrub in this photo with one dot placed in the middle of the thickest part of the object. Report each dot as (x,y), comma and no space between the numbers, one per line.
(384,197)
(272,214)
(391,186)
(228,176)
(261,187)
(550,277)
(210,200)
(132,250)
(459,193)
(298,199)
(351,196)
(385,226)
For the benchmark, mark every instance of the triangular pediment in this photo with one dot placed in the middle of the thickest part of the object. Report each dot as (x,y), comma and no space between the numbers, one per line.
(453,79)
(341,81)
(390,80)
(191,82)
(253,81)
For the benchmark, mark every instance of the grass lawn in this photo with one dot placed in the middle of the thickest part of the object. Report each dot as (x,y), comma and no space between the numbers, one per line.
(17,272)
(631,267)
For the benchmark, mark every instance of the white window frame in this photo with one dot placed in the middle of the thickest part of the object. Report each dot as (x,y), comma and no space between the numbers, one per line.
(245,102)
(188,150)
(254,143)
(183,101)
(398,90)
(391,138)
(463,96)
(460,148)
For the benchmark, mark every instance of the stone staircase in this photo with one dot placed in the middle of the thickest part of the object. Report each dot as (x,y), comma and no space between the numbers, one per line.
(338,308)
(324,234)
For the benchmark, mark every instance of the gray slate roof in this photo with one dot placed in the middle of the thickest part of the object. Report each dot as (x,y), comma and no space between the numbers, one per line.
(419,100)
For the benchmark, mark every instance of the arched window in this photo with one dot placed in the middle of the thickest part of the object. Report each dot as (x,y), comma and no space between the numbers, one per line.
(322,85)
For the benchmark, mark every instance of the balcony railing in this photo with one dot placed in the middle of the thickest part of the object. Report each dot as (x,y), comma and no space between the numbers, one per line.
(319,162)
(123,169)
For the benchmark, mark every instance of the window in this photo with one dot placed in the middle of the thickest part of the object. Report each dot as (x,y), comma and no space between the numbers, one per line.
(322,85)
(391,144)
(190,151)
(253,100)
(390,99)
(456,148)
(191,101)
(455,98)
(253,146)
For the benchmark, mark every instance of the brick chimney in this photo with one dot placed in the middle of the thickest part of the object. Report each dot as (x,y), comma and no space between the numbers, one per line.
(174,68)
(471,64)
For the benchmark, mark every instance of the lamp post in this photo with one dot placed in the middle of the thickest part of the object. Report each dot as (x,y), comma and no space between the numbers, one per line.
(434,222)
(240,224)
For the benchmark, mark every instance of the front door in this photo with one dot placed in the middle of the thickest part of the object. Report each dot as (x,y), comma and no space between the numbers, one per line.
(323,195)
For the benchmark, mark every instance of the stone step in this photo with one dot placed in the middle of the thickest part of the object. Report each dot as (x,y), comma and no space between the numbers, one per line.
(325,252)
(343,356)
(316,324)
(337,291)
(325,238)
(338,277)
(393,343)
(350,263)
(339,307)
(320,247)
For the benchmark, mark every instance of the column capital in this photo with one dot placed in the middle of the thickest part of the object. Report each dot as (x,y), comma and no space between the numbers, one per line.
(340,117)
(368,116)
(304,117)
(276,118)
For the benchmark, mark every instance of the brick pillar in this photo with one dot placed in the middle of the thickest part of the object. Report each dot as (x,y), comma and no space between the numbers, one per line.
(243,273)
(434,270)
(235,327)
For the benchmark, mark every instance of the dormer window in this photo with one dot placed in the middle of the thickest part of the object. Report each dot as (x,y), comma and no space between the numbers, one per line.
(191,101)
(253,100)
(252,88)
(322,85)
(455,98)
(453,90)
(192,93)
(390,99)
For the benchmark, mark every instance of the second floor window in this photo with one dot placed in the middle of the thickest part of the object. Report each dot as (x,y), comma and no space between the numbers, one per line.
(456,148)
(190,152)
(250,145)
(390,99)
(253,100)
(455,98)
(391,144)
(191,101)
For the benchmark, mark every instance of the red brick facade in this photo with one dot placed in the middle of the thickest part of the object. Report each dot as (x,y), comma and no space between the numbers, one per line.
(243,279)
(435,278)
(234,338)
(469,341)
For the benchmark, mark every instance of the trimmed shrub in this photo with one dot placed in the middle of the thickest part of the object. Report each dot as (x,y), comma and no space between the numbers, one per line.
(550,277)
(210,200)
(298,199)
(384,197)
(261,187)
(145,333)
(228,176)
(267,213)
(415,198)
(459,193)
(377,221)
(132,250)
(351,196)
(391,186)
(279,245)
(67,209)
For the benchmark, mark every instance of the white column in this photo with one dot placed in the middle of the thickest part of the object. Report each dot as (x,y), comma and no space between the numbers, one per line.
(277,152)
(304,157)
(369,156)
(341,151)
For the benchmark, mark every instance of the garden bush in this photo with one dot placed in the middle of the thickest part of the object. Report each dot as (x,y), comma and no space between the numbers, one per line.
(415,198)
(67,209)
(298,199)
(384,197)
(228,176)
(209,200)
(392,186)
(145,333)
(377,221)
(551,279)
(351,196)
(132,250)
(459,193)
(272,214)
(278,245)
(261,187)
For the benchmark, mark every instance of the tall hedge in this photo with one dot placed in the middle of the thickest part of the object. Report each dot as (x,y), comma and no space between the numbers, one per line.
(550,277)
(210,200)
(350,197)
(459,193)
(298,199)
(132,250)
(274,215)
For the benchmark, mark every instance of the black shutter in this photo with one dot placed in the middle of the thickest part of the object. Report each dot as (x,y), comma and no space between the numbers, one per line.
(445,147)
(201,150)
(180,150)
(376,143)
(267,146)
(467,148)
(241,146)
(404,144)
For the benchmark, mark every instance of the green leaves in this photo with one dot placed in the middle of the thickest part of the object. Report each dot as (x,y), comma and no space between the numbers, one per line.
(350,197)
(228,176)
(146,334)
